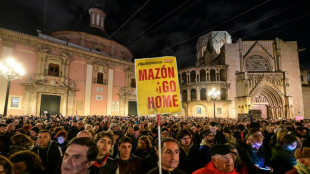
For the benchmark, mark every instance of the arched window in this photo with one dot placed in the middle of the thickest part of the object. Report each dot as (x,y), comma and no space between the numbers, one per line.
(223,94)
(193,95)
(222,75)
(133,83)
(193,76)
(184,96)
(100,77)
(202,75)
(212,75)
(53,70)
(184,78)
(203,94)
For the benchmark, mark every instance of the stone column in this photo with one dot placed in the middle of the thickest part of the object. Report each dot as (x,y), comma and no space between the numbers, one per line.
(87,99)
(110,91)
(188,94)
(198,93)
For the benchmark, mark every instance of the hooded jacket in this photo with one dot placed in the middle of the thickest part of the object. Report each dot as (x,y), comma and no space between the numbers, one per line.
(211,169)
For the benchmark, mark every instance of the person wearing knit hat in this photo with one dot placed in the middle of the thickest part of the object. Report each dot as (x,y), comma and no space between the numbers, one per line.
(206,144)
(302,156)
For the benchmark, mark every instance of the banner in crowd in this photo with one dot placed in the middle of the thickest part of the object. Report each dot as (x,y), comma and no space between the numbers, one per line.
(157,86)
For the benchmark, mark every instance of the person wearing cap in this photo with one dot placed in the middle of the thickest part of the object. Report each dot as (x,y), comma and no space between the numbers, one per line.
(302,156)
(222,161)
(206,144)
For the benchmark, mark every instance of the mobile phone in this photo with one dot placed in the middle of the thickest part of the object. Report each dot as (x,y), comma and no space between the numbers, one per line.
(264,168)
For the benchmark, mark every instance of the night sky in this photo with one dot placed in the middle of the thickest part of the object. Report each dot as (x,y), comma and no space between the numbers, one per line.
(167,27)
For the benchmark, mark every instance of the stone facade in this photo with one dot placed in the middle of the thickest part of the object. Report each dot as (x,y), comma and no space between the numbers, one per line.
(262,75)
(74,77)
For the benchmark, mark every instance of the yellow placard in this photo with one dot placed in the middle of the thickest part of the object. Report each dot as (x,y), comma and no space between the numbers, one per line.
(157,85)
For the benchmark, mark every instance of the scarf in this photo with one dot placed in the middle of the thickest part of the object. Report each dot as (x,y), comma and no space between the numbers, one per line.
(301,169)
(96,164)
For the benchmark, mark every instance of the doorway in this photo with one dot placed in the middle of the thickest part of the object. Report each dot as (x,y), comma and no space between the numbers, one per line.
(50,104)
(132,108)
(263,108)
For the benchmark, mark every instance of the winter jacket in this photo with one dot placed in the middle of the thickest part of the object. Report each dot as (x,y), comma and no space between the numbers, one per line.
(191,162)
(211,169)
(282,160)
(251,159)
(109,167)
(50,156)
(205,150)
(133,165)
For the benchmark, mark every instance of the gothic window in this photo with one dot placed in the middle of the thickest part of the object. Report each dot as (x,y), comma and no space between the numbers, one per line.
(203,94)
(133,83)
(184,96)
(193,94)
(302,78)
(257,63)
(53,70)
(202,75)
(100,78)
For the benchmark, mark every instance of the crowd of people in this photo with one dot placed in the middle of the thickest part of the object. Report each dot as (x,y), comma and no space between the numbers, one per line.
(129,145)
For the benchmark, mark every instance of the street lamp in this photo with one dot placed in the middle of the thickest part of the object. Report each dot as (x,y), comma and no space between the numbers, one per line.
(213,96)
(10,70)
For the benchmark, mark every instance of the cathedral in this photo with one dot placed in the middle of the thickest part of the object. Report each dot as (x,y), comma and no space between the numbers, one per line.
(261,78)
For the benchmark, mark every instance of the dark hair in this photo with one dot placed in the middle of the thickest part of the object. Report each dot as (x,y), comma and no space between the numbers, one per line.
(164,140)
(136,128)
(213,123)
(227,130)
(32,160)
(125,139)
(300,129)
(85,141)
(45,131)
(183,132)
(287,139)
(147,141)
(104,134)
(3,125)
(164,129)
(241,127)
(7,165)
(22,140)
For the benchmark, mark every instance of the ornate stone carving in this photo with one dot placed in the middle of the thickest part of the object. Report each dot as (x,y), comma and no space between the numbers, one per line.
(257,63)
(240,77)
(260,99)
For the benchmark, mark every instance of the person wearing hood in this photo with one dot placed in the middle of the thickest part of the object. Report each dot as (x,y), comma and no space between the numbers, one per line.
(206,144)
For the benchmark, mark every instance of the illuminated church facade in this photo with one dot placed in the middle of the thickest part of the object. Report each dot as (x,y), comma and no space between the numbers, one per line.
(259,75)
